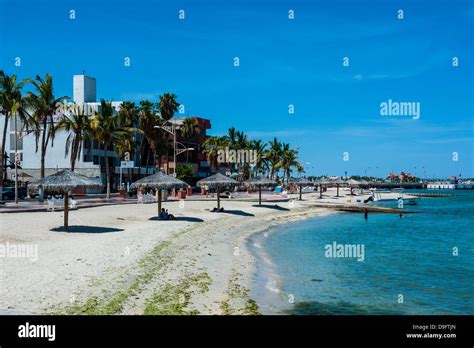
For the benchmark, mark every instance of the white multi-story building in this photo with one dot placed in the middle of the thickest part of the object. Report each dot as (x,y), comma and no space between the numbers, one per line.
(92,156)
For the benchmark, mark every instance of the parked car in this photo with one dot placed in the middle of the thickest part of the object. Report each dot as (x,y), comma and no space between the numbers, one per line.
(9,193)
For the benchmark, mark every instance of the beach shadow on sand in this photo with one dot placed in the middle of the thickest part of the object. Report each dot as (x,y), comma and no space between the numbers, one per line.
(271,206)
(178,218)
(86,229)
(236,212)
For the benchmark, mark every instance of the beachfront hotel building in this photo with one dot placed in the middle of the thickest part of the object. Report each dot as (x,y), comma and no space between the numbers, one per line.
(92,160)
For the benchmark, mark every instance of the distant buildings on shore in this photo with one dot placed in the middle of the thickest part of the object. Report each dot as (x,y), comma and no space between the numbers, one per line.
(92,160)
(402,177)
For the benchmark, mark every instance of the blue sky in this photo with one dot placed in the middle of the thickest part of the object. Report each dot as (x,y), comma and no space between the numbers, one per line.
(282,62)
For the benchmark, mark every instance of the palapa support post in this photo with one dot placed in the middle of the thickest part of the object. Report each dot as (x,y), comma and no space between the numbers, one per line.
(260,195)
(159,202)
(301,191)
(320,190)
(218,197)
(337,186)
(66,208)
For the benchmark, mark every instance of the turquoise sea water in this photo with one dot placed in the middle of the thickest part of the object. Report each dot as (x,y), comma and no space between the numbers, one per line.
(409,259)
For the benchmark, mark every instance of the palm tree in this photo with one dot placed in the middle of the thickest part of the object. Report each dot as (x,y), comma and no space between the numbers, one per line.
(129,114)
(232,135)
(148,121)
(78,125)
(107,130)
(273,156)
(168,105)
(288,160)
(44,106)
(260,149)
(189,127)
(211,147)
(11,103)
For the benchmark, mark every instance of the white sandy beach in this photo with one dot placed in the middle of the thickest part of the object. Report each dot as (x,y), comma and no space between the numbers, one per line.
(120,262)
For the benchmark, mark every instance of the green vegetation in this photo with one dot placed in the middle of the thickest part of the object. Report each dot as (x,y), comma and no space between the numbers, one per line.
(236,295)
(184,171)
(272,157)
(174,299)
(154,261)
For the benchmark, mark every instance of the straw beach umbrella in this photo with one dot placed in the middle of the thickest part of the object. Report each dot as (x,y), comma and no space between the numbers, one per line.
(260,181)
(159,181)
(64,181)
(353,183)
(362,184)
(217,181)
(338,182)
(321,183)
(300,182)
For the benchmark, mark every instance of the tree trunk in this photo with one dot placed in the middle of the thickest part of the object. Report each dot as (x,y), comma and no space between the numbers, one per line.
(44,144)
(2,157)
(107,171)
(74,152)
(158,191)
(66,208)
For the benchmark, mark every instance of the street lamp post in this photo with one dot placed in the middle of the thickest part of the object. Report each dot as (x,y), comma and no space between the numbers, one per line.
(176,151)
(16,160)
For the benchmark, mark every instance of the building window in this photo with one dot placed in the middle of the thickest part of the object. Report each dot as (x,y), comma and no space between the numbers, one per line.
(19,142)
(12,157)
(20,125)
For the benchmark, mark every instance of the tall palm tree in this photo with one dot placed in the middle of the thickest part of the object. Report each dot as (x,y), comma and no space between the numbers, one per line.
(288,160)
(78,125)
(188,130)
(44,104)
(211,147)
(107,130)
(260,149)
(155,140)
(168,105)
(189,127)
(232,135)
(129,114)
(273,156)
(11,103)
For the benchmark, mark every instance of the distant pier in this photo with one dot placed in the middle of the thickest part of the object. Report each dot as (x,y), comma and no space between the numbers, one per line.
(420,194)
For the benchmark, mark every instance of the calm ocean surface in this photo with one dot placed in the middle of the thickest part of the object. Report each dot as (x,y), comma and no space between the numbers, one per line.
(411,257)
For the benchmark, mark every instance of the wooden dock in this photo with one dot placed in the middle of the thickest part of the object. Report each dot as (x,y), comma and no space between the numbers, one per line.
(352,208)
(420,194)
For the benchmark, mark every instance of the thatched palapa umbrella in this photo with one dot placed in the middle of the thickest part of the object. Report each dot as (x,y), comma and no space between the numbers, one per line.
(64,181)
(260,181)
(353,183)
(321,183)
(362,184)
(159,181)
(338,182)
(300,182)
(217,181)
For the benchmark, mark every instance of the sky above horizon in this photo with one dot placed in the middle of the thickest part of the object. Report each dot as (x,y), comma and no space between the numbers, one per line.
(337,122)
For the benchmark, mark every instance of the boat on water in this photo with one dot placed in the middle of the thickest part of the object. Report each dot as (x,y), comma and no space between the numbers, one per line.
(400,199)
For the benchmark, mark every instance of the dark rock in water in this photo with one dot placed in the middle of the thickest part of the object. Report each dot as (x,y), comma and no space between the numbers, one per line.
(316,280)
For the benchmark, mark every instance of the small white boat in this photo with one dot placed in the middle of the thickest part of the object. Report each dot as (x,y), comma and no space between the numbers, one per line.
(378,199)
